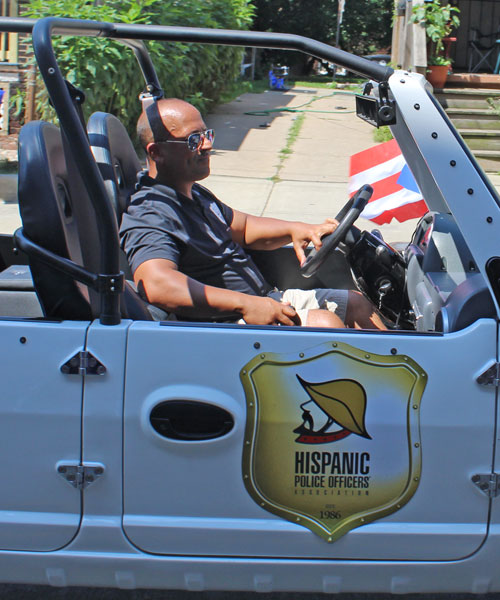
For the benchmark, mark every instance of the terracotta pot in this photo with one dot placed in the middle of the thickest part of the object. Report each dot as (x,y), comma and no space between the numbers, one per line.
(437,74)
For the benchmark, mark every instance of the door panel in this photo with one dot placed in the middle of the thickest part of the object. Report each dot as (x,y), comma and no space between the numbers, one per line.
(40,413)
(190,497)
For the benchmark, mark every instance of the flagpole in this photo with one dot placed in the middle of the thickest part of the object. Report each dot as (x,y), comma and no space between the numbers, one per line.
(340,13)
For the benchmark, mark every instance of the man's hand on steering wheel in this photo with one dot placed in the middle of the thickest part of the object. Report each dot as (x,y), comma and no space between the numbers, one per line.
(303,233)
(346,217)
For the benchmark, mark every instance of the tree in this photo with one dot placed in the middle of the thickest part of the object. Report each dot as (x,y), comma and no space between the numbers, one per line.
(366,27)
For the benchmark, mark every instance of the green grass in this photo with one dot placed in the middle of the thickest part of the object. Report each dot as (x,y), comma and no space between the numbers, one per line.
(382,134)
(326,82)
(293,134)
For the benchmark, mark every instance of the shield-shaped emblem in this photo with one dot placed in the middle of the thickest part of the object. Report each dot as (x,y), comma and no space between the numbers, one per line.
(332,439)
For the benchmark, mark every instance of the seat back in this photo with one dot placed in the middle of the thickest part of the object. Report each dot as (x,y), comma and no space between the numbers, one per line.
(47,208)
(115,156)
(58,215)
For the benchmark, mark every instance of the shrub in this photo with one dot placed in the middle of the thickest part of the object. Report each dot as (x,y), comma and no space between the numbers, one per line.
(107,71)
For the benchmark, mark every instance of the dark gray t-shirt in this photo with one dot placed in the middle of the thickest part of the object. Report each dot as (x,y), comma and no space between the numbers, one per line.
(194,234)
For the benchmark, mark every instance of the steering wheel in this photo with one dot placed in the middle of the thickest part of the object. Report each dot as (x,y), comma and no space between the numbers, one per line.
(346,217)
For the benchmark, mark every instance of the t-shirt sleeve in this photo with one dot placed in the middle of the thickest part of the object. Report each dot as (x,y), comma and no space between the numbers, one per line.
(146,234)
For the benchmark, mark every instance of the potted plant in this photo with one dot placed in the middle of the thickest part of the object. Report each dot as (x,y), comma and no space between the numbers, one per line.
(438,21)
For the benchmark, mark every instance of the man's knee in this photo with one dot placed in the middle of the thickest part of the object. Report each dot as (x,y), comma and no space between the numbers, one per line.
(323,318)
(361,312)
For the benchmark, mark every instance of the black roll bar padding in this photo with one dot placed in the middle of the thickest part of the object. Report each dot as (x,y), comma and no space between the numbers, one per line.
(82,155)
(98,282)
(66,266)
(258,39)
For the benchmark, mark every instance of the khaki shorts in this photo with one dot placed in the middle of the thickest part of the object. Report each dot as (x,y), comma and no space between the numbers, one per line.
(304,300)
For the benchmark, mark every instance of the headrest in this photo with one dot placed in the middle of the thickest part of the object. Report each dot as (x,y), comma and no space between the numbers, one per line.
(115,156)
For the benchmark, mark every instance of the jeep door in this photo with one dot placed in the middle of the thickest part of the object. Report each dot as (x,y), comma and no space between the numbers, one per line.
(246,473)
(40,433)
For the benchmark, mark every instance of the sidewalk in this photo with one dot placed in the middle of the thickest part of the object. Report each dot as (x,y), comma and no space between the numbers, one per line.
(311,184)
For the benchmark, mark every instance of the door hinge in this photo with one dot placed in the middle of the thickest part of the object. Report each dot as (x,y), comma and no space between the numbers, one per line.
(488,483)
(83,363)
(79,475)
(491,376)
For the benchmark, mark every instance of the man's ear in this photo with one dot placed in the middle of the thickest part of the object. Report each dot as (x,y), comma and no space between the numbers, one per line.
(153,151)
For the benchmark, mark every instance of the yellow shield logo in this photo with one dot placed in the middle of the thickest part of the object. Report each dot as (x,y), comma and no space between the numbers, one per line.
(332,439)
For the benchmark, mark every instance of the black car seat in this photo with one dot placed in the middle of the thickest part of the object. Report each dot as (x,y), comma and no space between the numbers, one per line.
(115,156)
(58,216)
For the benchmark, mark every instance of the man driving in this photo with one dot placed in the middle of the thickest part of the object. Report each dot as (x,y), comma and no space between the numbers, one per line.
(186,249)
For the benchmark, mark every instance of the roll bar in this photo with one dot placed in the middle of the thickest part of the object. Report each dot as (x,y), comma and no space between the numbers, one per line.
(132,36)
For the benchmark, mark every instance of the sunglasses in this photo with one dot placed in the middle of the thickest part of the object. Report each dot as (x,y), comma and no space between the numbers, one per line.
(193,141)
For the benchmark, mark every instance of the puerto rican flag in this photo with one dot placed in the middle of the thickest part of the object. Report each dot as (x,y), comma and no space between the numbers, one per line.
(395,191)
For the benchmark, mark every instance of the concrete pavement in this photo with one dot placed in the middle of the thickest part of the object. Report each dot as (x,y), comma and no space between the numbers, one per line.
(309,183)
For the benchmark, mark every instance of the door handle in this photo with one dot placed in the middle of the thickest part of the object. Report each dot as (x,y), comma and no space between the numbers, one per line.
(190,420)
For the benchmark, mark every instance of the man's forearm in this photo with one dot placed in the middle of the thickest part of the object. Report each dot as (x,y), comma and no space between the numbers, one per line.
(170,289)
(266,233)
(182,295)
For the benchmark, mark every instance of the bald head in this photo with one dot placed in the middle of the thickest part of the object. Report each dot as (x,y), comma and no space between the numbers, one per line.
(164,128)
(164,119)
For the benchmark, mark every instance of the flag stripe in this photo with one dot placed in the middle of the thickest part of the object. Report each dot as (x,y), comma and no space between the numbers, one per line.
(381,171)
(390,202)
(414,210)
(368,159)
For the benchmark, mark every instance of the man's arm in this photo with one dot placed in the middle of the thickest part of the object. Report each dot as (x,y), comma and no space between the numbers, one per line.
(165,286)
(264,233)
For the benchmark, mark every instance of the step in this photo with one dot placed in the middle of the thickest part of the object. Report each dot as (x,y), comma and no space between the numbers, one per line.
(474,118)
(466,98)
(489,160)
(481,139)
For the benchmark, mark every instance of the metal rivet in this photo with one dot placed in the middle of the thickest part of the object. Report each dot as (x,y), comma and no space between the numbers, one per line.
(416,106)
(417,445)
(453,163)
(415,406)
(415,479)
(256,345)
(434,135)
(298,519)
(334,344)
(330,539)
(489,219)
(301,354)
(394,350)
(99,470)
(263,356)
(61,469)
(51,70)
(243,372)
(362,520)
(402,81)
(367,356)
(22,340)
(470,191)
(100,370)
